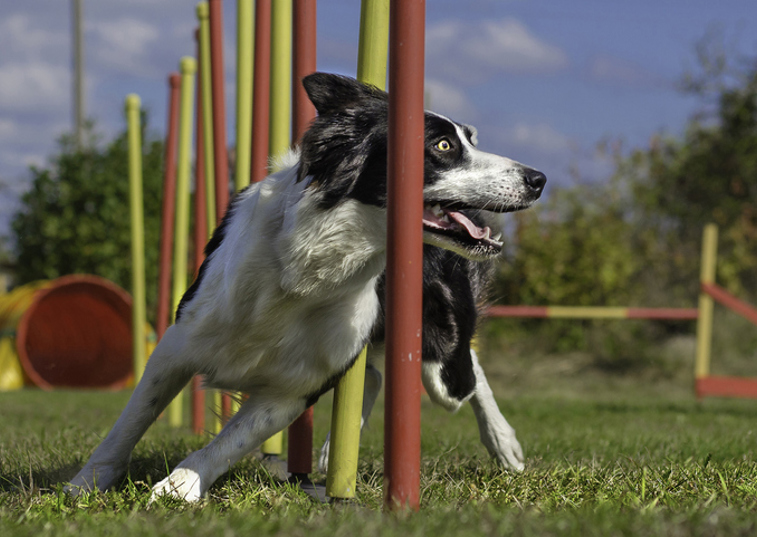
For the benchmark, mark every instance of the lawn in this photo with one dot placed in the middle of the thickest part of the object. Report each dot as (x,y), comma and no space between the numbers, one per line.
(620,462)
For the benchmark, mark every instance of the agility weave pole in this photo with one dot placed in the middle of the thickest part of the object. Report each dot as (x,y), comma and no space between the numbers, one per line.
(136,208)
(280,107)
(304,43)
(168,206)
(188,67)
(245,37)
(344,445)
(200,233)
(206,96)
(404,266)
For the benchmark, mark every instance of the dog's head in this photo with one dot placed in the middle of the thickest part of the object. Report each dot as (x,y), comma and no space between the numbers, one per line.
(344,155)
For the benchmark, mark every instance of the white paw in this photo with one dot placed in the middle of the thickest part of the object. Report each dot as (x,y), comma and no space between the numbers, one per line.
(503,446)
(183,483)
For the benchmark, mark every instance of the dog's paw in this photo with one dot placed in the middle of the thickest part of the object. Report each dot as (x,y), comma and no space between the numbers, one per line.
(183,483)
(504,446)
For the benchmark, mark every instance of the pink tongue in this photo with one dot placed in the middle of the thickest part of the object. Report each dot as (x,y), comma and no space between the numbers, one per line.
(473,230)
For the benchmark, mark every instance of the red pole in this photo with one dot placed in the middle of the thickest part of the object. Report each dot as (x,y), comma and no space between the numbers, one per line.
(402,445)
(300,446)
(261,92)
(200,233)
(169,205)
(304,63)
(221,164)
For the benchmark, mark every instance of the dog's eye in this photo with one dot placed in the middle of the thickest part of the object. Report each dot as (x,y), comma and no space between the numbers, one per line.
(443,145)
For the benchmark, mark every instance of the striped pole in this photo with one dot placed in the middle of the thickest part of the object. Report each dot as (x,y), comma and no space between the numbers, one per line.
(167,214)
(188,69)
(245,15)
(300,432)
(136,206)
(404,266)
(593,312)
(281,112)
(348,394)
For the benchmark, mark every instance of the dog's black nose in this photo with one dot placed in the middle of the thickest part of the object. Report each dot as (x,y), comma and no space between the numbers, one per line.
(536,180)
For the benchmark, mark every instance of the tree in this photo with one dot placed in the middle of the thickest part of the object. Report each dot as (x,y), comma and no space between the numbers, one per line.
(75,217)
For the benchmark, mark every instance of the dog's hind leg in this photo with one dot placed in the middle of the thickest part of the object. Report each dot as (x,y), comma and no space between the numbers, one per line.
(257,419)
(372,388)
(163,378)
(496,434)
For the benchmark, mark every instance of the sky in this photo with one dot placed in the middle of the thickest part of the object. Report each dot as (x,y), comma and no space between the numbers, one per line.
(543,81)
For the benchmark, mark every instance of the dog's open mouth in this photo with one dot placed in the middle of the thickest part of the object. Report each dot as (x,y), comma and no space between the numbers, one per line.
(455,226)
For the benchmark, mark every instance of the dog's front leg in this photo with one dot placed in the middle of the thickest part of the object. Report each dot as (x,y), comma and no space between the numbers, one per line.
(372,389)
(257,419)
(496,434)
(164,377)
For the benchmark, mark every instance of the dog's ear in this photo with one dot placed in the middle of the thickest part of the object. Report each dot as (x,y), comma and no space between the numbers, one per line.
(334,93)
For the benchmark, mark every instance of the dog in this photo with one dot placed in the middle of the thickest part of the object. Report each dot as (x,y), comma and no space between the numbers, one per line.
(455,291)
(286,297)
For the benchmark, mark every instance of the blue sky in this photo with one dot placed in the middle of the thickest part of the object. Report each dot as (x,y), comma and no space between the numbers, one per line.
(543,81)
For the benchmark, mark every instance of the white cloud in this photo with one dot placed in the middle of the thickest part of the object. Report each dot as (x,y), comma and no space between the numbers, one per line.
(449,100)
(124,45)
(539,136)
(23,38)
(474,52)
(33,86)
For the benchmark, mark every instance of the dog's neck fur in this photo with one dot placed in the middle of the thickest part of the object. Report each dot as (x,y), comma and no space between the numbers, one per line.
(324,250)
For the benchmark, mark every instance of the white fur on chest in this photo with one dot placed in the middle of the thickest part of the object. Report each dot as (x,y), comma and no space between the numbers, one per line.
(288,298)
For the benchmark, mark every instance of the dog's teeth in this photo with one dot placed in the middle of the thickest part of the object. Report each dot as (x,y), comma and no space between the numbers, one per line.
(497,237)
(437,210)
(487,233)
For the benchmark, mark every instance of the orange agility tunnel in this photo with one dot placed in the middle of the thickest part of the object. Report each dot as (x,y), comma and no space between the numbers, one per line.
(72,332)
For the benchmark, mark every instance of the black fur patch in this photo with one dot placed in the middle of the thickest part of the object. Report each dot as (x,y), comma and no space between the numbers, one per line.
(453,290)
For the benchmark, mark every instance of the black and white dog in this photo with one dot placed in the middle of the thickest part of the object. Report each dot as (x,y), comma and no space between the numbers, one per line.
(286,297)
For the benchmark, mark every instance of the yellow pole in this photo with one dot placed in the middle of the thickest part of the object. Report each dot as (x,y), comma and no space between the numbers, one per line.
(188,67)
(373,47)
(136,205)
(704,322)
(348,394)
(279,133)
(280,117)
(245,32)
(203,16)
(345,431)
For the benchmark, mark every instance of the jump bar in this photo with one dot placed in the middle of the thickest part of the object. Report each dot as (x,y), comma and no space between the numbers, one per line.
(593,312)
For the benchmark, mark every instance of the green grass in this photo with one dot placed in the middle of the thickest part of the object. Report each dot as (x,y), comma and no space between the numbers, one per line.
(616,462)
